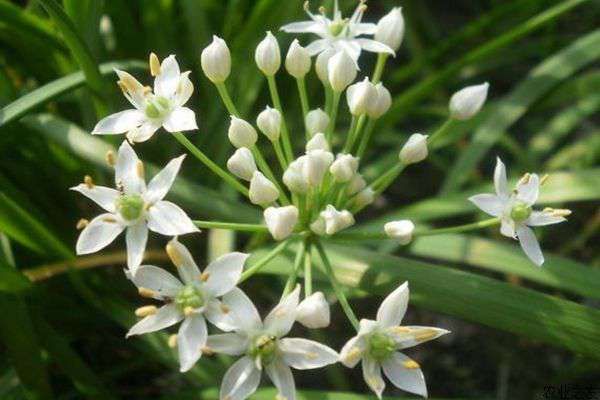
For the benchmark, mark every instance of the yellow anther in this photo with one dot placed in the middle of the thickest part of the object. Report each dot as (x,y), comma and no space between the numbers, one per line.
(146,311)
(82,223)
(147,293)
(174,255)
(147,90)
(561,212)
(187,311)
(154,65)
(172,341)
(225,308)
(204,276)
(322,10)
(425,334)
(110,220)
(207,351)
(410,364)
(128,83)
(524,179)
(139,169)
(544,179)
(110,158)
(89,182)
(306,5)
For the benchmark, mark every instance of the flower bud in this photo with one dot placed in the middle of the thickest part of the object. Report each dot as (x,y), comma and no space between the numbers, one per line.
(341,71)
(335,220)
(467,102)
(316,121)
(400,230)
(241,133)
(361,96)
(316,165)
(318,226)
(321,65)
(313,311)
(382,102)
(262,190)
(364,198)
(281,221)
(293,176)
(344,167)
(267,55)
(216,60)
(357,184)
(297,60)
(269,123)
(415,149)
(242,164)
(318,142)
(390,29)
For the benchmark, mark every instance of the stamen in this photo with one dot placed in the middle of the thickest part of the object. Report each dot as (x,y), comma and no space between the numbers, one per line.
(204,276)
(146,311)
(225,308)
(89,182)
(322,10)
(187,311)
(544,179)
(147,293)
(147,90)
(525,179)
(82,223)
(129,83)
(154,65)
(172,342)
(110,158)
(410,364)
(140,169)
(207,351)
(174,255)
(561,212)
(306,5)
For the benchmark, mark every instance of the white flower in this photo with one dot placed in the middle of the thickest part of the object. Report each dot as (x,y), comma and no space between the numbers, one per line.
(415,149)
(364,198)
(341,71)
(133,207)
(390,29)
(241,133)
(262,191)
(344,167)
(297,60)
(263,346)
(317,142)
(467,102)
(242,164)
(293,177)
(514,208)
(191,299)
(216,60)
(321,65)
(269,123)
(315,166)
(313,312)
(333,221)
(361,96)
(317,121)
(382,103)
(268,55)
(378,342)
(339,33)
(357,184)
(281,221)
(153,109)
(400,230)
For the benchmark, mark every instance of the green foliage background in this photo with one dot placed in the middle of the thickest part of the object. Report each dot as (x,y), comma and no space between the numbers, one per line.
(516,328)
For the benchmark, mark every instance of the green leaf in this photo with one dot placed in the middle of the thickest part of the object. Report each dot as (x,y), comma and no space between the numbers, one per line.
(51,90)
(539,81)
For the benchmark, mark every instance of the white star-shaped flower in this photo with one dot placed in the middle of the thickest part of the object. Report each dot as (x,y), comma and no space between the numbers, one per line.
(378,342)
(192,299)
(264,347)
(339,33)
(162,106)
(514,208)
(133,207)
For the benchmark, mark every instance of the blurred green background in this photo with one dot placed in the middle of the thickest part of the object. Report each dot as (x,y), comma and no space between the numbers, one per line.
(519,332)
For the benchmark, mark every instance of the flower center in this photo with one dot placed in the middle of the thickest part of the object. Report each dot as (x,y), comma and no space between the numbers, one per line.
(130,206)
(381,346)
(265,347)
(520,212)
(337,27)
(189,296)
(157,107)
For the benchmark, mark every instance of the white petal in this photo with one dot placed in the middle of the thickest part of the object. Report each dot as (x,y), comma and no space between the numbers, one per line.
(364,29)
(232,344)
(318,46)
(127,170)
(191,338)
(166,316)
(352,351)
(135,90)
(224,273)
(180,119)
(220,316)
(394,306)
(372,375)
(160,185)
(409,336)
(306,354)
(302,27)
(410,380)
(281,376)
(168,219)
(143,132)
(528,192)
(488,203)
(98,234)
(157,280)
(374,46)
(184,90)
(541,218)
(243,311)
(241,380)
(500,181)
(136,238)
(280,320)
(120,122)
(507,228)
(530,245)
(187,269)
(166,82)
(351,47)
(103,196)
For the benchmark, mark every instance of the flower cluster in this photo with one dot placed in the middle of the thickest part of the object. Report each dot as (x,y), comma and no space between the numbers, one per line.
(305,197)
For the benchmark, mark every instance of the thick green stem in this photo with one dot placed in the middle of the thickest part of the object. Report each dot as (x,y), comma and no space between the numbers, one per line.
(441,131)
(285,136)
(308,271)
(196,152)
(265,260)
(366,137)
(231,226)
(303,102)
(299,260)
(351,134)
(333,115)
(224,93)
(280,156)
(381,59)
